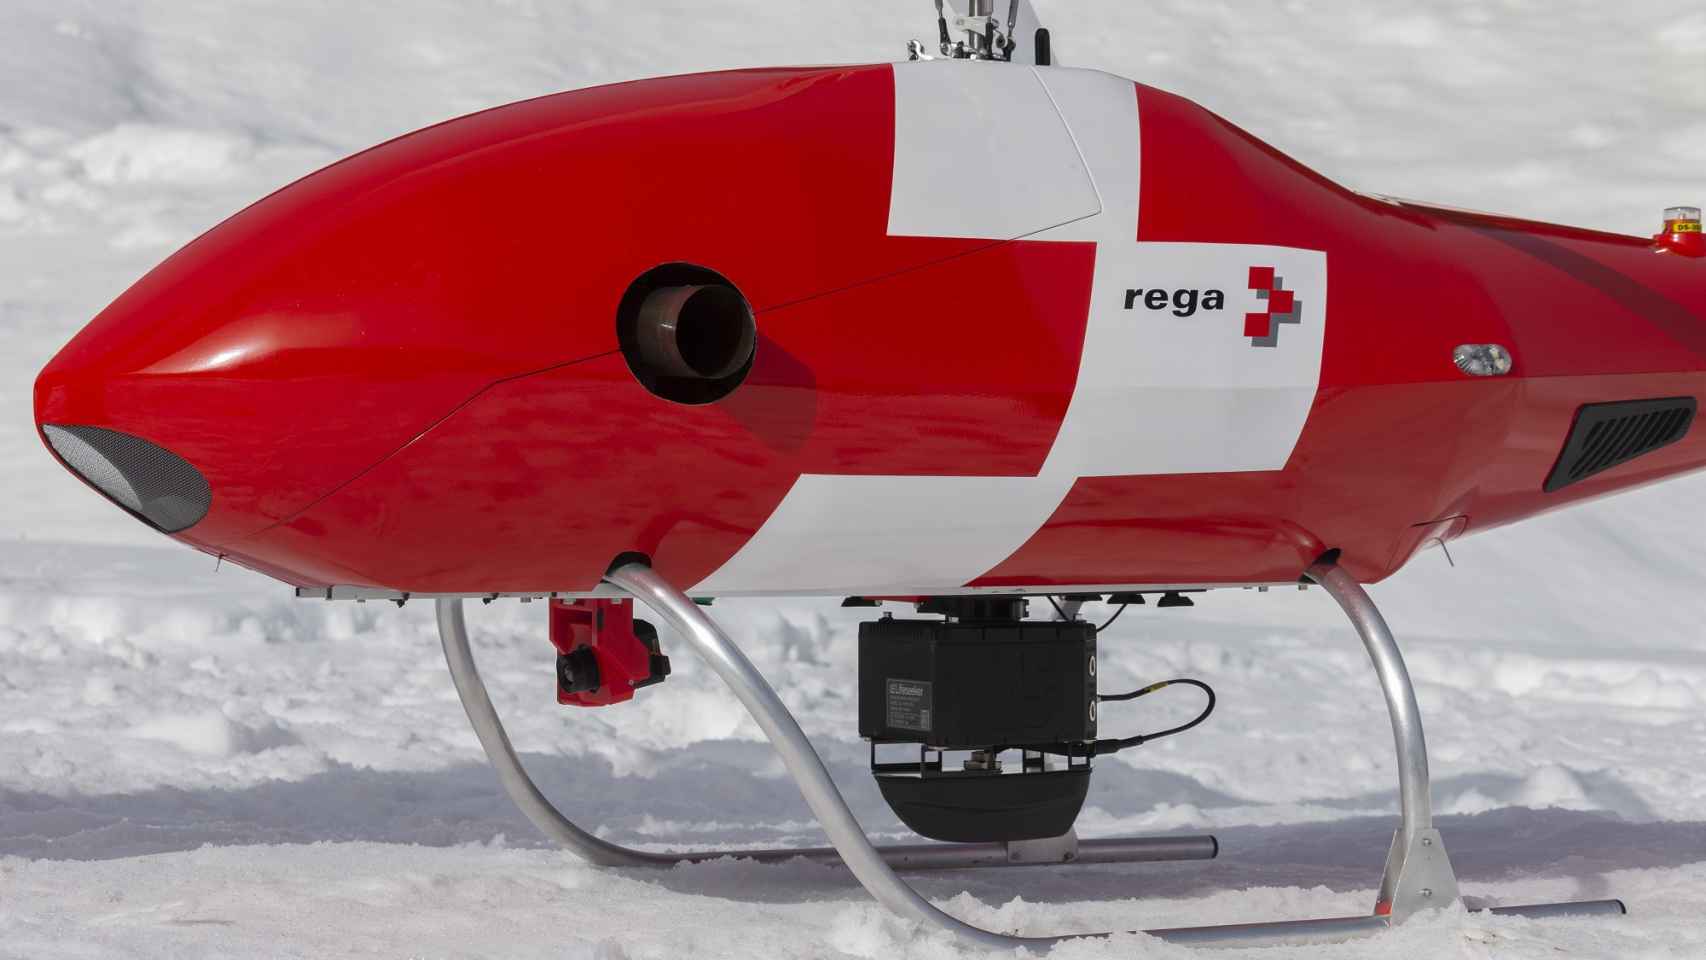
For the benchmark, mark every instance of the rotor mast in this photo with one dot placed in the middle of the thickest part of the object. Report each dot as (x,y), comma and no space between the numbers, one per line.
(986,37)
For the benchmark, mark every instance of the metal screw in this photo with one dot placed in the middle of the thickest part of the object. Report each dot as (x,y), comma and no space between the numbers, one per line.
(1427,841)
(1426,893)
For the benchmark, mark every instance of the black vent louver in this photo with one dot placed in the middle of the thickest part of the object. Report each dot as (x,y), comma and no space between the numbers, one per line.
(1607,434)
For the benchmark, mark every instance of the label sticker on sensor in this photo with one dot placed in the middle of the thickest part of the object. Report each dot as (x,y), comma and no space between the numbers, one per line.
(908,705)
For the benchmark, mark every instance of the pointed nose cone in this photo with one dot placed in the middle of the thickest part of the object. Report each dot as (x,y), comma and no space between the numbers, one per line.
(250,374)
(315,333)
(130,408)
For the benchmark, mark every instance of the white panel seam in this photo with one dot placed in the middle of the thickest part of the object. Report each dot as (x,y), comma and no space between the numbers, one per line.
(1072,136)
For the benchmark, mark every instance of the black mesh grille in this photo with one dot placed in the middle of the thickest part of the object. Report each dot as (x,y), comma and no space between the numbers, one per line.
(1607,434)
(147,479)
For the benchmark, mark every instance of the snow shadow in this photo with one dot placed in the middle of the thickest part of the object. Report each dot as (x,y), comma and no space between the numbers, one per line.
(711,797)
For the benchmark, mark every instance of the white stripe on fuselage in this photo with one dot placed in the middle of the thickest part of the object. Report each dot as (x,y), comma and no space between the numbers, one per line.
(1157,392)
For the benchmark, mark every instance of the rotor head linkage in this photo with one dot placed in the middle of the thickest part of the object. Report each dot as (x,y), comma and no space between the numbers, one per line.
(985,36)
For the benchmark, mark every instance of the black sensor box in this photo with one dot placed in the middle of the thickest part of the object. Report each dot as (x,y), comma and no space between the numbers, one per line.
(966,686)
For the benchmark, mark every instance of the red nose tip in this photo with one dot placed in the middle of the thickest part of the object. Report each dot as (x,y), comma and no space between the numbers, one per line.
(322,329)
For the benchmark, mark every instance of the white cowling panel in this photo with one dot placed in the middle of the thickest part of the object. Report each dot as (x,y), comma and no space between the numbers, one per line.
(1159,391)
(981,151)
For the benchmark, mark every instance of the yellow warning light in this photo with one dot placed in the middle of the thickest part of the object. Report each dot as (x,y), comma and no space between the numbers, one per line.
(1681,233)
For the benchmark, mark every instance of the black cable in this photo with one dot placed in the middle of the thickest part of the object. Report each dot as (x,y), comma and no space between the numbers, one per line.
(1063,616)
(1111,619)
(1061,613)
(1110,746)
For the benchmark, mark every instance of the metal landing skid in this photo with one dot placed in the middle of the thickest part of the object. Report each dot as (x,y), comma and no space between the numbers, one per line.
(1418,874)
(911,857)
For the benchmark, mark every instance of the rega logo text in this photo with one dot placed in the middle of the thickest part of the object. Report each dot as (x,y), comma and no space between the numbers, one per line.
(1184,302)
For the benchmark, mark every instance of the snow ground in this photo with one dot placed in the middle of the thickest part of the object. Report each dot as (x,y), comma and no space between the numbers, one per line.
(258,775)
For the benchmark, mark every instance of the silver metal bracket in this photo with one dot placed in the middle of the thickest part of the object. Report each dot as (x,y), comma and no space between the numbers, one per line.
(1061,849)
(1418,876)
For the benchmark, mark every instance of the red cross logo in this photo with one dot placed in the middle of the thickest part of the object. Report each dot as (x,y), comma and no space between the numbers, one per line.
(1263,328)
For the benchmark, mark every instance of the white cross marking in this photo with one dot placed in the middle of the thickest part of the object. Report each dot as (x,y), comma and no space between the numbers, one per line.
(1156,393)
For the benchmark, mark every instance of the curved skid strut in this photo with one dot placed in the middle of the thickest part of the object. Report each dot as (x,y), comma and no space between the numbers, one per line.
(1418,873)
(453,631)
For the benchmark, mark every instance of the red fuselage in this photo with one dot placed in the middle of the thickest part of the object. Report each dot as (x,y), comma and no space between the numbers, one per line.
(403,371)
